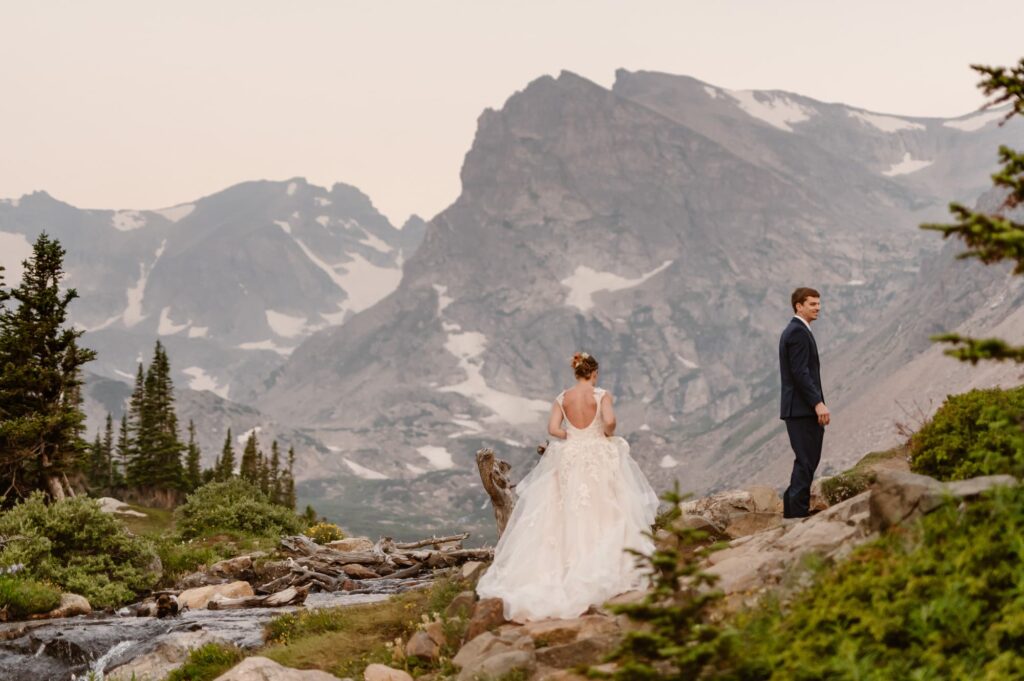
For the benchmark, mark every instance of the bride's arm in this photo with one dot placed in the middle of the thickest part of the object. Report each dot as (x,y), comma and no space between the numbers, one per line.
(555,422)
(608,415)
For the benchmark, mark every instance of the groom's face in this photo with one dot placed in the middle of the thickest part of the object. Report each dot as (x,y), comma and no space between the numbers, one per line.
(809,309)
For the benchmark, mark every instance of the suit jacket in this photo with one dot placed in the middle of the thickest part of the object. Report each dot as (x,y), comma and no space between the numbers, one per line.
(800,371)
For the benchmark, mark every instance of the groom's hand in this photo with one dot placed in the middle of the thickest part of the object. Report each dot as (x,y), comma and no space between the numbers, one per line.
(824,417)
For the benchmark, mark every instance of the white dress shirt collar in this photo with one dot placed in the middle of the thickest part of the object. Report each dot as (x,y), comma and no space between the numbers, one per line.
(806,323)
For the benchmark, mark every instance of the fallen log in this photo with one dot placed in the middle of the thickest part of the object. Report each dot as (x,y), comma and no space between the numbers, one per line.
(435,541)
(291,596)
(494,475)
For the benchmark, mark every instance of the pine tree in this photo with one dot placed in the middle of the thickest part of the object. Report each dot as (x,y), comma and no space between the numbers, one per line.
(41,420)
(96,472)
(249,468)
(113,472)
(134,460)
(193,474)
(274,473)
(124,446)
(166,471)
(288,483)
(226,463)
(993,237)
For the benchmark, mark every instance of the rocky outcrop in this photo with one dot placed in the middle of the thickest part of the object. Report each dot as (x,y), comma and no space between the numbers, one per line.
(735,513)
(264,669)
(169,653)
(70,605)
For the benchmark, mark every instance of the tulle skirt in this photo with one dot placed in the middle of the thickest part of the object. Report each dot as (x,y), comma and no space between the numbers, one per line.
(564,548)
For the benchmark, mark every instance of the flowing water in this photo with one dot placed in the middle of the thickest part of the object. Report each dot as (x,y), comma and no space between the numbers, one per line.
(70,648)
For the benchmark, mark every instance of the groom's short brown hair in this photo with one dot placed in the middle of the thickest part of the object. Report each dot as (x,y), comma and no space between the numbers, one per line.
(802,294)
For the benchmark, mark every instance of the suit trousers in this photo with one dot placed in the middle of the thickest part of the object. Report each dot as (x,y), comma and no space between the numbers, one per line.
(805,436)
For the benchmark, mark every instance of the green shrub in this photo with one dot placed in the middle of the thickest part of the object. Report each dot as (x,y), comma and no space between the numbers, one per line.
(324,533)
(207,662)
(976,433)
(234,506)
(79,548)
(939,600)
(21,597)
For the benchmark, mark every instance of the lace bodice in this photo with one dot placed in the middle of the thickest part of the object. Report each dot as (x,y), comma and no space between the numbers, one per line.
(596,427)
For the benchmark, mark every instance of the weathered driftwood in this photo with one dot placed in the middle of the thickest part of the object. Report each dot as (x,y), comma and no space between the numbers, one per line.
(433,541)
(494,475)
(290,596)
(313,566)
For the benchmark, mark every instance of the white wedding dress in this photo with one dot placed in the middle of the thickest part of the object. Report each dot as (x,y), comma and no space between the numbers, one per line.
(563,549)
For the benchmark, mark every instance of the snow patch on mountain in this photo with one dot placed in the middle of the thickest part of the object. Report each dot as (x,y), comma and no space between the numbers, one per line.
(285,226)
(321,201)
(585,282)
(906,166)
(975,122)
(245,436)
(885,123)
(668,461)
(439,457)
(365,283)
(200,380)
(168,327)
(13,203)
(364,472)
(712,92)
(175,213)
(13,249)
(292,186)
(285,325)
(133,311)
(266,345)
(127,220)
(323,220)
(375,243)
(776,110)
(198,331)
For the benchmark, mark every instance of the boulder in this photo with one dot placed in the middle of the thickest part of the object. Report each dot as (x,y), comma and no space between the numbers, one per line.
(264,669)
(232,568)
(745,524)
(487,614)
(500,665)
(471,570)
(462,605)
(722,509)
(900,495)
(422,646)
(382,672)
(487,645)
(198,598)
(818,500)
(170,652)
(351,544)
(969,489)
(70,605)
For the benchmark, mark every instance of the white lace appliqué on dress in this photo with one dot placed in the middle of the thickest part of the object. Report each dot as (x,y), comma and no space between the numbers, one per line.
(579,509)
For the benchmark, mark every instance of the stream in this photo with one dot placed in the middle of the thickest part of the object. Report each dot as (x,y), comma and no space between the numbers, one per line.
(69,649)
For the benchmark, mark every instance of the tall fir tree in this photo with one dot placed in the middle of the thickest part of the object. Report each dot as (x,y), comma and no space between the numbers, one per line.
(275,473)
(164,455)
(96,472)
(114,480)
(41,420)
(249,468)
(288,483)
(993,237)
(193,473)
(124,448)
(226,463)
(135,465)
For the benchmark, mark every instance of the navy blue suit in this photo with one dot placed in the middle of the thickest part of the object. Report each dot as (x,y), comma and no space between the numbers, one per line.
(800,371)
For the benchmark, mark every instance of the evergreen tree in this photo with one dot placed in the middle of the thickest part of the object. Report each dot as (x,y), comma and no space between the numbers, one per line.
(135,465)
(193,474)
(274,474)
(993,237)
(226,463)
(124,448)
(288,483)
(96,472)
(164,455)
(249,468)
(113,472)
(41,421)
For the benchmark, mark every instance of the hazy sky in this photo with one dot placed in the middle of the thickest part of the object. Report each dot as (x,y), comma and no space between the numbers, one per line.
(148,104)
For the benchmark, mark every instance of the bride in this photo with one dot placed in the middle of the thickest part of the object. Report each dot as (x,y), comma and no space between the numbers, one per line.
(563,549)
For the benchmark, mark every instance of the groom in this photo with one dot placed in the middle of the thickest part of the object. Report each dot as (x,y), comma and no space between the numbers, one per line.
(803,403)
